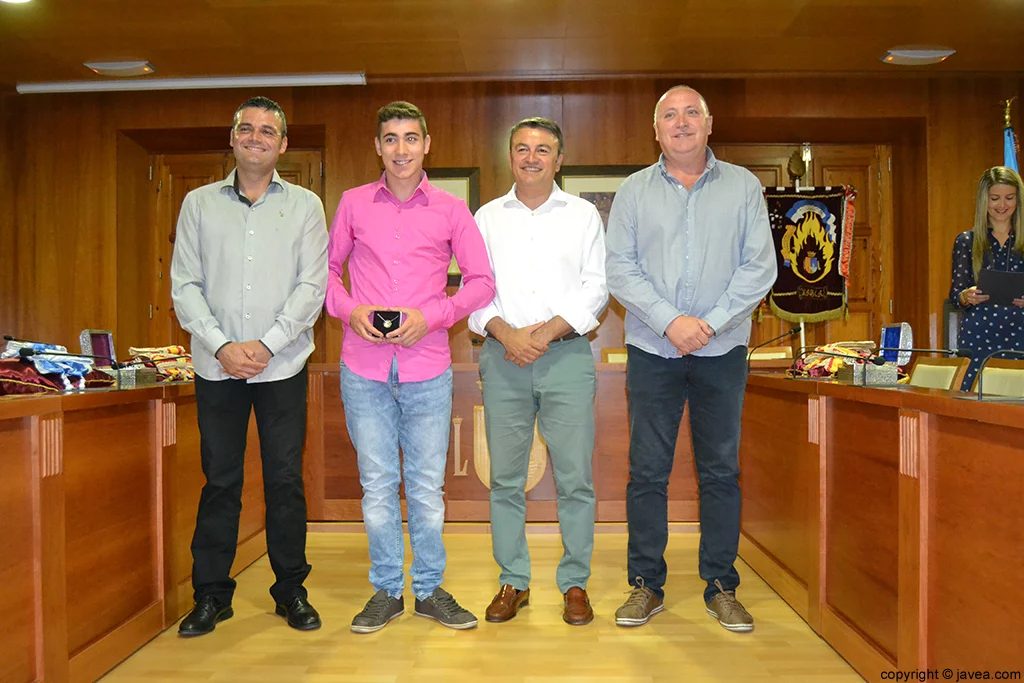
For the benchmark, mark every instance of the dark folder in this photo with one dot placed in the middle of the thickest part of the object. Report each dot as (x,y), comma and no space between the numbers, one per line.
(1000,286)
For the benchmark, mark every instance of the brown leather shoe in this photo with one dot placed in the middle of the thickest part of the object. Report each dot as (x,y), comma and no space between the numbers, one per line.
(506,603)
(577,607)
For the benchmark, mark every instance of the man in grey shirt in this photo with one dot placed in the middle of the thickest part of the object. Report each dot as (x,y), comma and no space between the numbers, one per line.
(248,280)
(690,256)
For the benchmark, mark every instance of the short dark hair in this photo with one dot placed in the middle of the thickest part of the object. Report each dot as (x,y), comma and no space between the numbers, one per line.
(266,104)
(540,123)
(400,110)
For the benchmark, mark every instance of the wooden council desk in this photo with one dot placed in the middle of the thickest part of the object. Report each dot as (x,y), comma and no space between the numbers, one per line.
(98,497)
(889,519)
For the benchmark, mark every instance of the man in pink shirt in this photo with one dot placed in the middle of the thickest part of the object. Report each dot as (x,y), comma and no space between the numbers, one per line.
(399,235)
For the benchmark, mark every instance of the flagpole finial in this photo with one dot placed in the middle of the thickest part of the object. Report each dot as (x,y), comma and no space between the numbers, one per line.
(1006,111)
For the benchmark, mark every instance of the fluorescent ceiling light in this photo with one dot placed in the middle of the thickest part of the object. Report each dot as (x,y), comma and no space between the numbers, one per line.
(15,2)
(917,55)
(279,81)
(136,68)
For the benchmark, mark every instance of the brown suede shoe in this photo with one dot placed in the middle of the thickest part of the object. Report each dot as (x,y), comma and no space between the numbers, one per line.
(506,603)
(577,607)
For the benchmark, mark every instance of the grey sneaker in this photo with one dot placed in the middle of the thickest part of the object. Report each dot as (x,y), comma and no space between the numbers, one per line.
(640,606)
(441,607)
(729,612)
(381,609)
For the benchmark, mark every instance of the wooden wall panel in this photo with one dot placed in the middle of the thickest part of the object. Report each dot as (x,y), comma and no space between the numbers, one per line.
(135,248)
(964,138)
(19,599)
(8,234)
(66,159)
(111,518)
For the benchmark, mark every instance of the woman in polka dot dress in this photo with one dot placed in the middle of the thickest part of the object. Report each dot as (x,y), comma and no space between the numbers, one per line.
(995,243)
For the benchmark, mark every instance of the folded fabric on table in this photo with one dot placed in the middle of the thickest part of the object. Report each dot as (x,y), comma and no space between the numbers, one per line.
(172,363)
(21,377)
(72,371)
(816,364)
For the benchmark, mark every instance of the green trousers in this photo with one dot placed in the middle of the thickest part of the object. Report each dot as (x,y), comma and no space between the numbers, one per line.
(558,391)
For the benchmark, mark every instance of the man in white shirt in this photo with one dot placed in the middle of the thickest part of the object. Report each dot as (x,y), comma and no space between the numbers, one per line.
(547,251)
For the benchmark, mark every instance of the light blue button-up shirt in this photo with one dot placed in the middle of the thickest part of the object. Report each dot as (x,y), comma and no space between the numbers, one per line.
(705,252)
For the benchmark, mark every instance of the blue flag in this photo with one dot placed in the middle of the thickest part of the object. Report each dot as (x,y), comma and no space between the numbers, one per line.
(1010,149)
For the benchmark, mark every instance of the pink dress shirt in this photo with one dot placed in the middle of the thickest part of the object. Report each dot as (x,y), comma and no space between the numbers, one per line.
(400,252)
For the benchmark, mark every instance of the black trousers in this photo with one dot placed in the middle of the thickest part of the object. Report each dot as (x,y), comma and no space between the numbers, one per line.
(224,408)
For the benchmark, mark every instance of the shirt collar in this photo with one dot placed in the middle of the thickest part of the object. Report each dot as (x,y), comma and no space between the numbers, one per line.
(424,188)
(231,183)
(558,197)
(710,164)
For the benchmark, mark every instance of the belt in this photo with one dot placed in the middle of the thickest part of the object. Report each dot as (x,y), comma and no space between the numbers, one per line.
(568,337)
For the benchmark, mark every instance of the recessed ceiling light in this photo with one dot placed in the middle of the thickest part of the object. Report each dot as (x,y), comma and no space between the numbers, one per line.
(917,55)
(136,68)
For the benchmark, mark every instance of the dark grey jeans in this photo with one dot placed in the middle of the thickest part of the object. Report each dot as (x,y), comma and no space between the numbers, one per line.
(658,389)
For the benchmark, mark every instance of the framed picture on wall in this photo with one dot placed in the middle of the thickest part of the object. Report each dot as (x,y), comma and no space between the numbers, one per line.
(596,184)
(464,183)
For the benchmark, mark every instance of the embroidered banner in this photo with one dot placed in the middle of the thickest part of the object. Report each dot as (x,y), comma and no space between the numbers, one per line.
(813,234)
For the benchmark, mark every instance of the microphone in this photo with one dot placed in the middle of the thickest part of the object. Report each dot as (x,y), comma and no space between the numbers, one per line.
(959,353)
(8,337)
(981,368)
(789,333)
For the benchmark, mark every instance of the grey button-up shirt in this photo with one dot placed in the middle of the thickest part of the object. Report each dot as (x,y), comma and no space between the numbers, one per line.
(242,272)
(706,252)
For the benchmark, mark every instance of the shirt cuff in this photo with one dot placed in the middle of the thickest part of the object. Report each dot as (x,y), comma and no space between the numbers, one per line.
(215,340)
(581,322)
(275,340)
(267,348)
(433,313)
(718,318)
(661,315)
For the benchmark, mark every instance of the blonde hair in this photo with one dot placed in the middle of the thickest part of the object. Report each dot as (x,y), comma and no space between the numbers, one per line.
(997,175)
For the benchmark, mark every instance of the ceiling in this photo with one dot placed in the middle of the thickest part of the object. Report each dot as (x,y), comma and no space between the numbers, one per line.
(48,40)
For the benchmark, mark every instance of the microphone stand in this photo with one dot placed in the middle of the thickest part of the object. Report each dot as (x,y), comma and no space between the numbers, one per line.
(981,372)
(957,353)
(790,333)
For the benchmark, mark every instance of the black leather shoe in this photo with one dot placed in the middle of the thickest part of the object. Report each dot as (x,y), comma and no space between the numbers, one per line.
(204,617)
(300,614)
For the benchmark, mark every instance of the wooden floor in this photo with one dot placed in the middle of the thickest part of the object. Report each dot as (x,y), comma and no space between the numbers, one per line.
(681,644)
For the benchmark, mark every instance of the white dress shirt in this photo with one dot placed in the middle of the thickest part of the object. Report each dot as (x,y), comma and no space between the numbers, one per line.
(547,262)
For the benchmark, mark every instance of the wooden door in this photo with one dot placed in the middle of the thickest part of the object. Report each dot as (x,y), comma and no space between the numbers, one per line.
(177,175)
(866,168)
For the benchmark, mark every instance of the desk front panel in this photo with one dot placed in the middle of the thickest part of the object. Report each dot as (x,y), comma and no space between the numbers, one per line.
(975,545)
(110,518)
(862,518)
(18,599)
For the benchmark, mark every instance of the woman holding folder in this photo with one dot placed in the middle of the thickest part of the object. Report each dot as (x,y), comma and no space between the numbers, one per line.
(994,244)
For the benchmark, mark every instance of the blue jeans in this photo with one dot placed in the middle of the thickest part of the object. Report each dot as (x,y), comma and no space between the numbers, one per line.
(658,389)
(416,417)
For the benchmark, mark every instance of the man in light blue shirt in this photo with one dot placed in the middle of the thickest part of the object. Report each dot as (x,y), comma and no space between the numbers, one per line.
(690,256)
